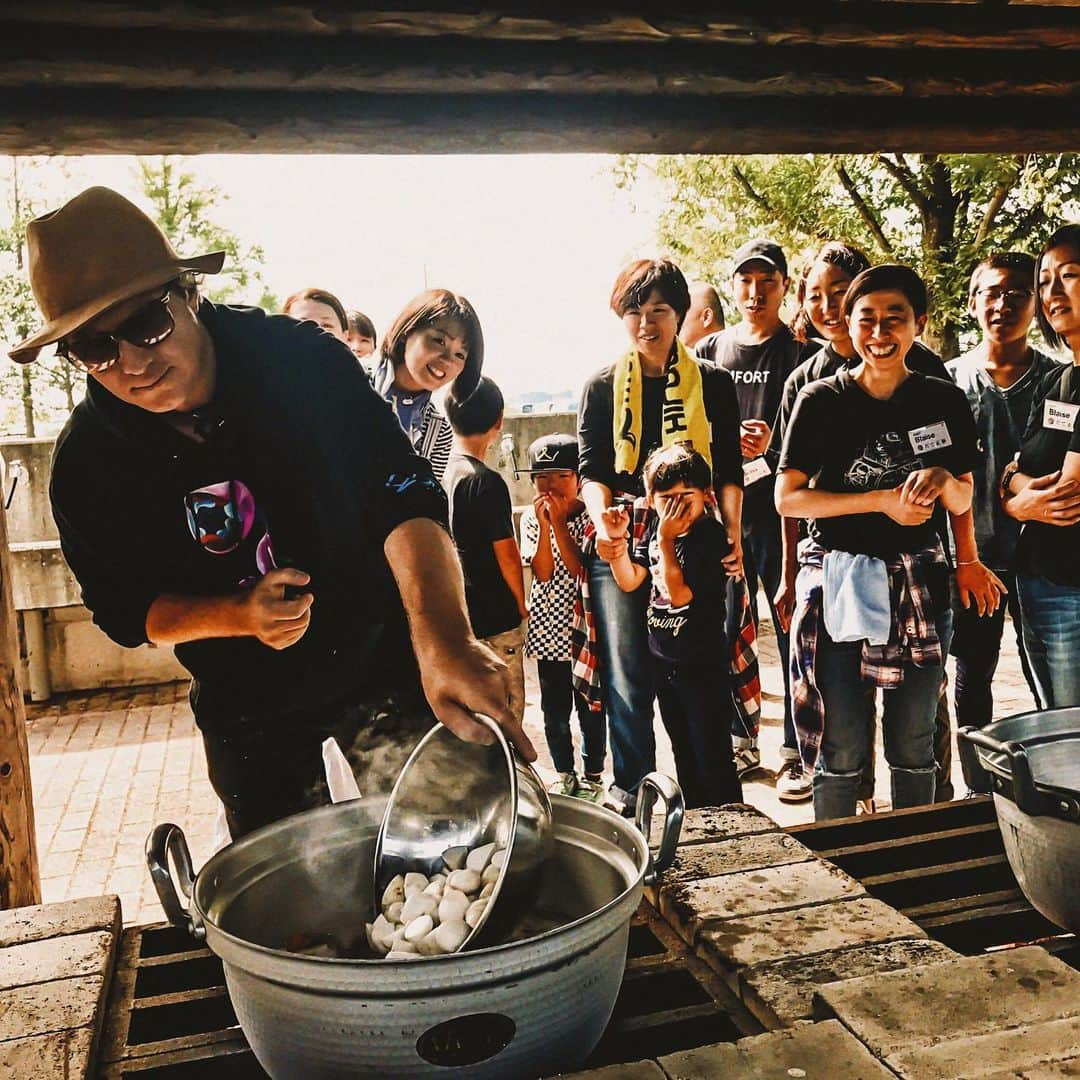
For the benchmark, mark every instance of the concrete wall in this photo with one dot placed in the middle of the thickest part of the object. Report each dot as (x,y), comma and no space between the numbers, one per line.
(78,656)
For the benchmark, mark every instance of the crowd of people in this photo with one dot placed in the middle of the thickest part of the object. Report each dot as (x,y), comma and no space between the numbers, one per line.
(291,541)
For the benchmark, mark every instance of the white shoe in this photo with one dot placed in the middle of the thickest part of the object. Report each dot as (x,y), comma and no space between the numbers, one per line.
(567,784)
(793,783)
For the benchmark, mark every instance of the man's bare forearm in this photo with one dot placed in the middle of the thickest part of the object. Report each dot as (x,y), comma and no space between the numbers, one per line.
(426,568)
(173,619)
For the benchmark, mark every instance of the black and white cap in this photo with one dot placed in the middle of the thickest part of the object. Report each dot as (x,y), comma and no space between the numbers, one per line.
(553,453)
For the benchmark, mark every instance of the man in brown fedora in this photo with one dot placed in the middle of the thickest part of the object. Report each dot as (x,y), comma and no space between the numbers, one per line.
(233,487)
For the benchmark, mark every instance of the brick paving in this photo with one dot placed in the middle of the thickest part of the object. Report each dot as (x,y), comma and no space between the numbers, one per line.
(108,765)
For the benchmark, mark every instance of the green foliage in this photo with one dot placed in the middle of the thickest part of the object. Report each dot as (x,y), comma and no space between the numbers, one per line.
(941,214)
(184,208)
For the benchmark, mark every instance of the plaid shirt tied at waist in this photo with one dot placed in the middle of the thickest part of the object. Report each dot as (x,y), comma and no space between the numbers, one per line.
(743,668)
(912,640)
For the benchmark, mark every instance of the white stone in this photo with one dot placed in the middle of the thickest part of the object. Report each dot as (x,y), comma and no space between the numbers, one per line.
(498,857)
(419,928)
(475,912)
(393,912)
(454,857)
(418,904)
(451,936)
(491,874)
(394,892)
(487,890)
(435,889)
(453,905)
(468,881)
(479,857)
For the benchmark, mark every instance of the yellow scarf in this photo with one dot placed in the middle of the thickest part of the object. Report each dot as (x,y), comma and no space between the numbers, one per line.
(683,418)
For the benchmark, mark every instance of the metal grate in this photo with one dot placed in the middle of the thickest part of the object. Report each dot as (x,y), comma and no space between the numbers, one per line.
(945,867)
(170,1018)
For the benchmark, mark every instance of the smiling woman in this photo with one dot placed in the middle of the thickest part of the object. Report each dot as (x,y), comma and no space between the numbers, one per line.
(435,342)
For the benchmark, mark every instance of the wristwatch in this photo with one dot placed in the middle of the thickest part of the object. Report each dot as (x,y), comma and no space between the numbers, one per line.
(1006,478)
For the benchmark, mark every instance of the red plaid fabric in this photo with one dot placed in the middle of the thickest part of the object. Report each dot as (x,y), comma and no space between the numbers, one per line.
(585,666)
(913,638)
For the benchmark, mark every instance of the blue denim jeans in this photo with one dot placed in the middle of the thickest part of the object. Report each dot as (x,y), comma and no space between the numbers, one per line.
(907,725)
(626,673)
(1052,639)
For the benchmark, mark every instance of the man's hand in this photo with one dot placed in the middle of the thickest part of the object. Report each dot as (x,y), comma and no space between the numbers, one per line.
(979,585)
(904,512)
(614,523)
(467,678)
(1048,499)
(754,436)
(610,550)
(269,616)
(733,560)
(784,602)
(924,486)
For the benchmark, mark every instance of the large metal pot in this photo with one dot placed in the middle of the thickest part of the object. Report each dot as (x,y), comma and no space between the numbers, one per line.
(528,1008)
(1033,762)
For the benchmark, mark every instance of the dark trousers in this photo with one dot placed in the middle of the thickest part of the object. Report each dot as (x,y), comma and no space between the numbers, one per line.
(696,707)
(557,694)
(763,561)
(267,769)
(977,647)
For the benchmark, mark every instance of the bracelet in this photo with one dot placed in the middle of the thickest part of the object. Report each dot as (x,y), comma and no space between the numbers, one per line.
(966,562)
(1011,470)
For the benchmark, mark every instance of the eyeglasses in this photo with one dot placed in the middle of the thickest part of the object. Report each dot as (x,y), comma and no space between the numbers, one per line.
(1012,297)
(147,327)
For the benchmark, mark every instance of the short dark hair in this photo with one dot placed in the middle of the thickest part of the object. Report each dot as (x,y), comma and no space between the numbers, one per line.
(678,463)
(1018,262)
(477,413)
(1066,236)
(429,307)
(849,259)
(319,296)
(360,324)
(639,278)
(888,276)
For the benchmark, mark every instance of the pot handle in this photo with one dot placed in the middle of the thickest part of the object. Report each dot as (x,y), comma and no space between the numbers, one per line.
(166,840)
(658,786)
(1024,793)
(987,742)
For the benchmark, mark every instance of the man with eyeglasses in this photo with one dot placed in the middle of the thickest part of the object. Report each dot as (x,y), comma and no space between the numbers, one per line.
(231,486)
(999,377)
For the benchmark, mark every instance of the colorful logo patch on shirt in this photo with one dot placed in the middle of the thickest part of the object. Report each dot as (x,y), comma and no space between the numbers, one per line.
(220,516)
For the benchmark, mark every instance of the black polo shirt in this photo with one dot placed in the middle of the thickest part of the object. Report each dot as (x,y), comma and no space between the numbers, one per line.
(303,465)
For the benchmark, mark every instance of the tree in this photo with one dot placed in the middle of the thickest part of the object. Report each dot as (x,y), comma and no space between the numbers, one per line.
(183,208)
(940,213)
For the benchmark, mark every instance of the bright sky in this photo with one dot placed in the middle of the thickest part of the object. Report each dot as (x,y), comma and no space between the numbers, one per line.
(534,241)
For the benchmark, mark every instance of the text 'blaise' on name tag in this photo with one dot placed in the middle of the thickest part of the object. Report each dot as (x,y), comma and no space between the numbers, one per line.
(755,469)
(930,437)
(1059,415)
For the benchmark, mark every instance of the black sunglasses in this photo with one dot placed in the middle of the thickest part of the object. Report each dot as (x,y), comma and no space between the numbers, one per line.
(145,328)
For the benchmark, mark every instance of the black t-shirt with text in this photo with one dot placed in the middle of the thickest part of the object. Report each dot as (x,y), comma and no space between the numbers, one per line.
(480,514)
(693,633)
(826,361)
(758,371)
(848,441)
(1044,550)
(596,435)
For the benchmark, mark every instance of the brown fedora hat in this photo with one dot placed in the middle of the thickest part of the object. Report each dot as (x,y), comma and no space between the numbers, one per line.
(95,252)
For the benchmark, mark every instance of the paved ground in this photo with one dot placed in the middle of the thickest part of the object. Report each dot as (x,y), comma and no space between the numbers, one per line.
(107,766)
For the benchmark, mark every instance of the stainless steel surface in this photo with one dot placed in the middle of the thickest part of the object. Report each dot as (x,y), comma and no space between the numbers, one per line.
(452,793)
(658,786)
(1033,761)
(535,1005)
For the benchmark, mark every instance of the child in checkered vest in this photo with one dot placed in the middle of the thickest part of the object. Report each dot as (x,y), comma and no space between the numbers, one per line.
(551,537)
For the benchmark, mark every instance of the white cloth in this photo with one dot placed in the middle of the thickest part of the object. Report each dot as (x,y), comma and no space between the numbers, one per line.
(855,598)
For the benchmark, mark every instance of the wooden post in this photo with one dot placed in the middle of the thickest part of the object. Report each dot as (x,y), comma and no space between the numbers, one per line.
(20,882)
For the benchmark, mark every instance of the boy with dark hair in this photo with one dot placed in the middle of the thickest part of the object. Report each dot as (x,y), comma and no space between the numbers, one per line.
(1000,377)
(552,532)
(682,553)
(759,353)
(481,523)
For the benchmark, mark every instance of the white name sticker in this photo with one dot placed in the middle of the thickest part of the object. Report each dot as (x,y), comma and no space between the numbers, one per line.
(1059,415)
(754,470)
(925,440)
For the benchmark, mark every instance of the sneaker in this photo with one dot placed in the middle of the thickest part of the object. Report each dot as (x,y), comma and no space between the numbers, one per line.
(567,784)
(747,759)
(792,782)
(590,790)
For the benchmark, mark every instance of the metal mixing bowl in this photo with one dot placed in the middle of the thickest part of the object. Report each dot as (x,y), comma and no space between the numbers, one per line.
(452,793)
